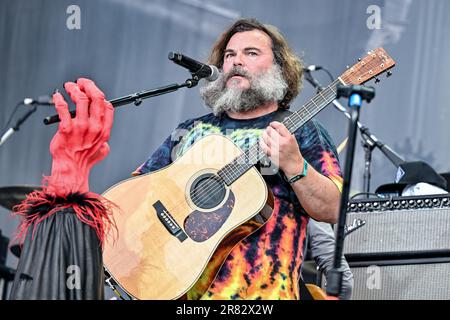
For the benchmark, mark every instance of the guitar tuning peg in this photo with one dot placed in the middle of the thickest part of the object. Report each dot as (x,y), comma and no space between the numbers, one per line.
(377,80)
(348,67)
(388,74)
(359,59)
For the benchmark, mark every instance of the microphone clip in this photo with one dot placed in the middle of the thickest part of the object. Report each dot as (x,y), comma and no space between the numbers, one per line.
(312,80)
(190,83)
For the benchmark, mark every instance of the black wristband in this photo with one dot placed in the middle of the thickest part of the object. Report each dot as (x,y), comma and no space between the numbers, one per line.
(300,175)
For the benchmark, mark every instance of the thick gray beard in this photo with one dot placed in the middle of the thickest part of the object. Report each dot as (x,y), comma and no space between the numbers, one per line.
(265,88)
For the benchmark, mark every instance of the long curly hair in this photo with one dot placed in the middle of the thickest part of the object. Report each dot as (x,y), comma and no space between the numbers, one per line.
(290,64)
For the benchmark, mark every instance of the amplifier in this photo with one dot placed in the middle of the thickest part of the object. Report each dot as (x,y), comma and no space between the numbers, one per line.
(402,248)
(425,281)
(399,225)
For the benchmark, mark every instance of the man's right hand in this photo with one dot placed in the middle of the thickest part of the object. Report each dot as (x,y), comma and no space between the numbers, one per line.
(80,142)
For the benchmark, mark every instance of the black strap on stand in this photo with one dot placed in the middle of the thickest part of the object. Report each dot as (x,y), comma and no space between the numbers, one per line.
(356,95)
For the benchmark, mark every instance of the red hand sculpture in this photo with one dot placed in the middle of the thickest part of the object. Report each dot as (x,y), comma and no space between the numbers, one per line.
(80,142)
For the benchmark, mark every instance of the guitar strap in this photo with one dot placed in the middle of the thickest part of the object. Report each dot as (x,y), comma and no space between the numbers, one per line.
(281,115)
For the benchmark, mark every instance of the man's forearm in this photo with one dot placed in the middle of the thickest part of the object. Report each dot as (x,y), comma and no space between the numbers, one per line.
(318,195)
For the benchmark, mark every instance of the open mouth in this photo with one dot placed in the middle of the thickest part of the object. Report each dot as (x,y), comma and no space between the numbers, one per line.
(237,76)
(237,73)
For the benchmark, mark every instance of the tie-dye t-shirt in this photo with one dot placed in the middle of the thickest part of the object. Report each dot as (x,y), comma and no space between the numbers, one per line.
(266,264)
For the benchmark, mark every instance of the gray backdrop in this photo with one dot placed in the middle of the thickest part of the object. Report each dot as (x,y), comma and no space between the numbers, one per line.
(123,46)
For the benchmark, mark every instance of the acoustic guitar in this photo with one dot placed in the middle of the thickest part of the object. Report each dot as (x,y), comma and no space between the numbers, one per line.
(171,222)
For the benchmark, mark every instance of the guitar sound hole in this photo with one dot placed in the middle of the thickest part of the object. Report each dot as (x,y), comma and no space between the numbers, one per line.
(207,191)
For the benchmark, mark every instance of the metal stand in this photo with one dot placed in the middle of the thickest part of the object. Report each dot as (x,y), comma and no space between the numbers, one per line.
(113,285)
(356,95)
(6,273)
(369,142)
(10,131)
(368,148)
(137,97)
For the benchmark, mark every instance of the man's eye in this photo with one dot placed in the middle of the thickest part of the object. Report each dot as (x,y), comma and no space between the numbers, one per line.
(252,53)
(228,55)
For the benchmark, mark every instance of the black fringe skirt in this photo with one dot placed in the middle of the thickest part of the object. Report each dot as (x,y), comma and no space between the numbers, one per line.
(61,259)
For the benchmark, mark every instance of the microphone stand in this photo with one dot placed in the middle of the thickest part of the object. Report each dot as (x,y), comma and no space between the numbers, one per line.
(355,95)
(15,128)
(369,141)
(6,273)
(137,97)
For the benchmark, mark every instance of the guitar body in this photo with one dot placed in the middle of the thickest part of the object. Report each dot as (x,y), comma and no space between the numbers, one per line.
(167,233)
(316,292)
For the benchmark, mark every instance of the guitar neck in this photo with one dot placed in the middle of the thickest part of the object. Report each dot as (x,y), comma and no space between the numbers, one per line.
(312,107)
(236,168)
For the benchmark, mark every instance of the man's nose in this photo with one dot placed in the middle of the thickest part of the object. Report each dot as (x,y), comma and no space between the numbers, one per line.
(237,60)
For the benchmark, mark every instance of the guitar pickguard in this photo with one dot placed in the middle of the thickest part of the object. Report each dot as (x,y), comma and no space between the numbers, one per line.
(200,226)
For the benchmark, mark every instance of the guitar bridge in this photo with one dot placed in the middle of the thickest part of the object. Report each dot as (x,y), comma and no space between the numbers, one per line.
(169,222)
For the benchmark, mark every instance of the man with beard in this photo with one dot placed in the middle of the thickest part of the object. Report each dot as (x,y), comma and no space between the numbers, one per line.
(260,77)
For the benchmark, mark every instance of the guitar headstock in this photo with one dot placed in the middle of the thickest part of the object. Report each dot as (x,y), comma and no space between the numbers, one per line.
(374,63)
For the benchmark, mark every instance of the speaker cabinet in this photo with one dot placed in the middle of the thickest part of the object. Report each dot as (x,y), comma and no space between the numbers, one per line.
(402,250)
(427,281)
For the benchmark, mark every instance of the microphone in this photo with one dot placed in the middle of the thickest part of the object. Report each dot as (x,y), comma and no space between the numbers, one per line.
(201,70)
(312,68)
(42,100)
